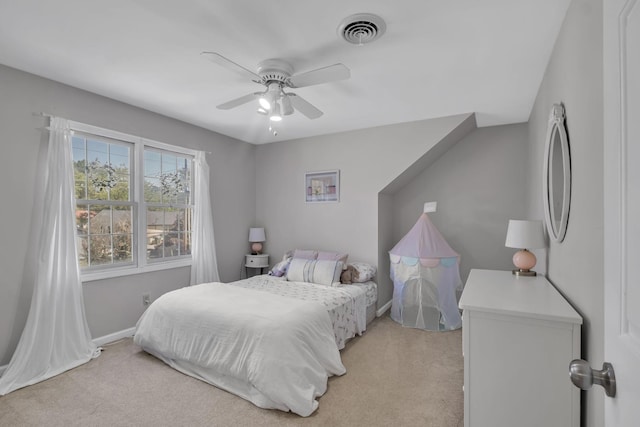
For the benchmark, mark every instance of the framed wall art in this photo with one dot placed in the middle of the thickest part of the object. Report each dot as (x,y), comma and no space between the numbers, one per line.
(322,186)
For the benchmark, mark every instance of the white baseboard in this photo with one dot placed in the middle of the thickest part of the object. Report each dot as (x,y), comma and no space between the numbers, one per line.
(382,310)
(125,333)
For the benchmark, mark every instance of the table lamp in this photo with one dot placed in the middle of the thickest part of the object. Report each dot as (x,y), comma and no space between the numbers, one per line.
(256,237)
(524,235)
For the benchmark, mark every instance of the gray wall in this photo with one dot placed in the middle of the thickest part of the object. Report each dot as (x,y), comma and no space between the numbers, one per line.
(575,267)
(478,184)
(369,160)
(115,304)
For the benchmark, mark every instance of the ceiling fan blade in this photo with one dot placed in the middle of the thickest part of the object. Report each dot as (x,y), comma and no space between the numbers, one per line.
(229,64)
(238,101)
(304,107)
(328,74)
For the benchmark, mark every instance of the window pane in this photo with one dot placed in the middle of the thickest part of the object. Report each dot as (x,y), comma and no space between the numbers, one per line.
(97,151)
(155,232)
(100,219)
(82,245)
(171,244)
(79,167)
(82,219)
(122,220)
(155,219)
(184,171)
(122,248)
(170,185)
(119,156)
(182,219)
(169,163)
(120,162)
(169,178)
(100,250)
(121,191)
(77,145)
(152,164)
(152,192)
(171,219)
(185,243)
(101,179)
(80,185)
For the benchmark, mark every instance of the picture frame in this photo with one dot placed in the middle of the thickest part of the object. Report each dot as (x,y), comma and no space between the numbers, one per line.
(322,186)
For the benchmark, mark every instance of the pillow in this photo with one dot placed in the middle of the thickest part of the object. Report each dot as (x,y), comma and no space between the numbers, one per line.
(305,254)
(334,256)
(322,272)
(280,269)
(365,271)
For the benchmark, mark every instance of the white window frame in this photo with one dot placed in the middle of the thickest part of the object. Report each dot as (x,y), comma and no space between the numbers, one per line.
(143,265)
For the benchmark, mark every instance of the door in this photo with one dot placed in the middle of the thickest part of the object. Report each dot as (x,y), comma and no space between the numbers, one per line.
(621,50)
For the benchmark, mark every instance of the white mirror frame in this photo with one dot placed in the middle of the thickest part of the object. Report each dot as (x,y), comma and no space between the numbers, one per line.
(556,229)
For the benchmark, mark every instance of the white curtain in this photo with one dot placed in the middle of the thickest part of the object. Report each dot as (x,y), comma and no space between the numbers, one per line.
(56,337)
(203,248)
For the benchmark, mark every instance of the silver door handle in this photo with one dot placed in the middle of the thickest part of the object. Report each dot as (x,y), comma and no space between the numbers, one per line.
(583,377)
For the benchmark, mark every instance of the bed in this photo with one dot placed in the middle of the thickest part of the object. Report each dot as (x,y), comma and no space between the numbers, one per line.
(269,340)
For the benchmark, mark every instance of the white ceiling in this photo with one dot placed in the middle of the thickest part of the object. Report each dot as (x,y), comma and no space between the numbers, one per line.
(437,57)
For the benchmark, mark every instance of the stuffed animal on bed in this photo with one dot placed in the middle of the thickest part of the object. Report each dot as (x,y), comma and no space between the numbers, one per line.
(349,275)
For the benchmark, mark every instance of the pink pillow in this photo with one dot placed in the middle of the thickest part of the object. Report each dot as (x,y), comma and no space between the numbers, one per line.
(333,256)
(300,254)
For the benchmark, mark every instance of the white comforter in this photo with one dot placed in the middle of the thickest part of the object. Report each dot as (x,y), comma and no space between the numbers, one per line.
(346,305)
(275,352)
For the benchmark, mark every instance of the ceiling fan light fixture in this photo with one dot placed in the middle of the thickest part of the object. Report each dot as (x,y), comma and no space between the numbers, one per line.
(275,113)
(264,102)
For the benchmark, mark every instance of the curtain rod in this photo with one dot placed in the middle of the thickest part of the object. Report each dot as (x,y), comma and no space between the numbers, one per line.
(43,114)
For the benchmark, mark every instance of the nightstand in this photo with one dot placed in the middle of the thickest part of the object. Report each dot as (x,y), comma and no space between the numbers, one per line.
(256,261)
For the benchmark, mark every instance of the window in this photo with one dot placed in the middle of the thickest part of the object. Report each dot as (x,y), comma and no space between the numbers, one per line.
(104,210)
(133,201)
(167,178)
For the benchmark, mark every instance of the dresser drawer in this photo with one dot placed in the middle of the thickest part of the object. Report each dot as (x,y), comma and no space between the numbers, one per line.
(257,261)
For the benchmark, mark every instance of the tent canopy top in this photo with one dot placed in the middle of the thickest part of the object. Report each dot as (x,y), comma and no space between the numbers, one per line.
(423,241)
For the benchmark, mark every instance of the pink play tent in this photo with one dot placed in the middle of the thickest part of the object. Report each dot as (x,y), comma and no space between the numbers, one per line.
(426,275)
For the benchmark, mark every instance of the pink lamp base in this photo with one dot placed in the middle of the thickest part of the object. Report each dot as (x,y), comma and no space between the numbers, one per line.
(256,248)
(524,261)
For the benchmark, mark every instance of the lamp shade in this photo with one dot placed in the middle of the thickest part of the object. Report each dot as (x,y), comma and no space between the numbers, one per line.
(256,235)
(525,234)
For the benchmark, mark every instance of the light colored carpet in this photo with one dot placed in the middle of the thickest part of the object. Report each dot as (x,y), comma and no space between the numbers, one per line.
(395,376)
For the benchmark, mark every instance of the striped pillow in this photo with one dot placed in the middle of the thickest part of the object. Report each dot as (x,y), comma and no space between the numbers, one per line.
(322,272)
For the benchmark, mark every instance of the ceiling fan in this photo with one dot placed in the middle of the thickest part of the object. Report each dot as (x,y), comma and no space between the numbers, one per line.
(276,75)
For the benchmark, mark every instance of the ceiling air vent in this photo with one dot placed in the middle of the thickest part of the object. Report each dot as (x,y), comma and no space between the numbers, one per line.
(361,28)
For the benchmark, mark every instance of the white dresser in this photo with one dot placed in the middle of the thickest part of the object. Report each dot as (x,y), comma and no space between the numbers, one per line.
(518,337)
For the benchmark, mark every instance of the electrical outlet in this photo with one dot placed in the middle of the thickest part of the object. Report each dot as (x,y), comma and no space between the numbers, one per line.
(146,300)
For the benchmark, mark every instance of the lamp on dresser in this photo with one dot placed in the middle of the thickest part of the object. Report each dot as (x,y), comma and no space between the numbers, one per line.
(256,237)
(524,235)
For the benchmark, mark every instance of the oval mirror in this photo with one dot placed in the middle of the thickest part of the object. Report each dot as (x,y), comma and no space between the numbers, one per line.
(557,175)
